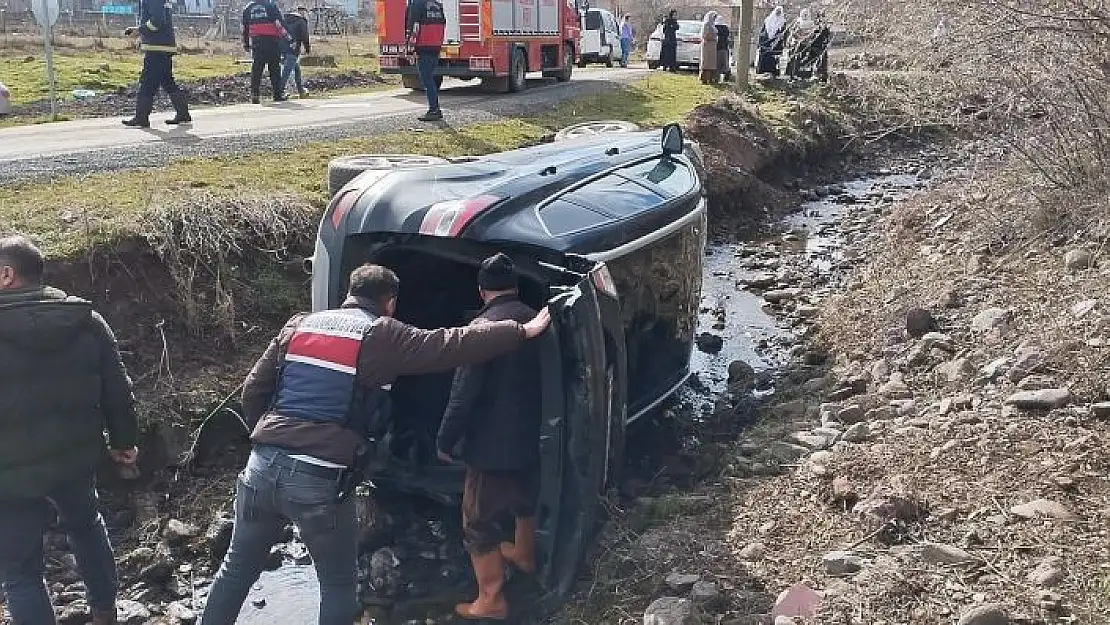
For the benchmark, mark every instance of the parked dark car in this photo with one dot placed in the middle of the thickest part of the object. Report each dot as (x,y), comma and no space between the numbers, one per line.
(610,230)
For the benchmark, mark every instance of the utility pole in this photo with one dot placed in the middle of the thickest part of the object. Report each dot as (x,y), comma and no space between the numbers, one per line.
(742,15)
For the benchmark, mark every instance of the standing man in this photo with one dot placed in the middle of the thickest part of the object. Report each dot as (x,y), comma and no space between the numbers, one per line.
(264,37)
(626,40)
(426,25)
(155,33)
(495,411)
(62,384)
(319,398)
(297,25)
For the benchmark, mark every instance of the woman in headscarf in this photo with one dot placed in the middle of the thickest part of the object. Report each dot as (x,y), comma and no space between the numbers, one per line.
(724,45)
(707,59)
(668,55)
(772,40)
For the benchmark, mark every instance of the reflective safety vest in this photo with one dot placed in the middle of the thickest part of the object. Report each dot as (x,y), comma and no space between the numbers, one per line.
(318,376)
(433,25)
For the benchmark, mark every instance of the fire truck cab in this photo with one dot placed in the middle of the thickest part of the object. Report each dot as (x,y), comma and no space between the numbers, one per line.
(497,41)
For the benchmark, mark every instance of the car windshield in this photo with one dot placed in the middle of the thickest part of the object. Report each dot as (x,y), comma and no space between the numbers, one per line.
(689,27)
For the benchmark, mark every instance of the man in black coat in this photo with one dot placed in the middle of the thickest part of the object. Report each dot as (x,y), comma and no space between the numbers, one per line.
(495,411)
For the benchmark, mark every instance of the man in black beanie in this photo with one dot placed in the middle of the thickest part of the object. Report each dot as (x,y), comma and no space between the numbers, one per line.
(494,411)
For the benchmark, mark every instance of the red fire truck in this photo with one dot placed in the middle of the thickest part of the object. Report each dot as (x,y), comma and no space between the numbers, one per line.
(498,41)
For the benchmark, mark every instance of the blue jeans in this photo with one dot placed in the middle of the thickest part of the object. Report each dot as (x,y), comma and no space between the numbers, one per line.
(22,524)
(271,491)
(291,64)
(626,50)
(426,64)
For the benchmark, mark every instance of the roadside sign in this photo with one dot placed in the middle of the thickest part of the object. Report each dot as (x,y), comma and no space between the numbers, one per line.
(46,12)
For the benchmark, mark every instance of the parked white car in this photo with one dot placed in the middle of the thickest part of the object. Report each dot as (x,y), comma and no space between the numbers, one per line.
(689,44)
(5,100)
(601,39)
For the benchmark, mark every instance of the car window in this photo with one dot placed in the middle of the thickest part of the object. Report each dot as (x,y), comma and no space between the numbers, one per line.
(686,27)
(562,218)
(671,177)
(617,196)
(593,20)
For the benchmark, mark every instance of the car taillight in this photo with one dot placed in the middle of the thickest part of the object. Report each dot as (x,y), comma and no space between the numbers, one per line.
(603,281)
(447,219)
(342,205)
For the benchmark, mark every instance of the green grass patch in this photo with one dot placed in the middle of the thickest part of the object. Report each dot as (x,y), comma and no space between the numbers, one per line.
(70,214)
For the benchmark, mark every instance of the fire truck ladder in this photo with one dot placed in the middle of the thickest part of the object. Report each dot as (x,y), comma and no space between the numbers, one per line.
(470,20)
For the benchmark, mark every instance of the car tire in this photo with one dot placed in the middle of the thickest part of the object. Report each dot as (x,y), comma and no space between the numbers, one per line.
(346,168)
(568,64)
(518,70)
(595,128)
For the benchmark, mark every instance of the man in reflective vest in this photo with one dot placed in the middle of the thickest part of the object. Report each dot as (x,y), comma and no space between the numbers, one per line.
(426,25)
(155,33)
(316,400)
(265,37)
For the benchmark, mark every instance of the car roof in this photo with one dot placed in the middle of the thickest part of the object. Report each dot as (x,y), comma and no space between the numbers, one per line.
(524,182)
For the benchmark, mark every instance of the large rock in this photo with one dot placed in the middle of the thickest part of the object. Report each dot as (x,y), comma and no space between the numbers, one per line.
(753,552)
(841,563)
(987,614)
(179,614)
(218,537)
(936,340)
(1043,399)
(1048,572)
(740,372)
(1026,361)
(939,553)
(992,319)
(705,593)
(131,613)
(1044,508)
(1078,260)
(671,611)
(709,343)
(957,370)
(919,322)
(177,532)
(788,452)
(857,433)
(850,414)
(681,582)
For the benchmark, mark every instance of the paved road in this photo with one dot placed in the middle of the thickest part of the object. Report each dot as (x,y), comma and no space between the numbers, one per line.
(30,152)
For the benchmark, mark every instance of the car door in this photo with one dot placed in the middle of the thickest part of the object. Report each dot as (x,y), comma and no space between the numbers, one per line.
(574,441)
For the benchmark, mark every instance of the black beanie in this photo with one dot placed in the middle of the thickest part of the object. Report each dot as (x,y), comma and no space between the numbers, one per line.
(497,273)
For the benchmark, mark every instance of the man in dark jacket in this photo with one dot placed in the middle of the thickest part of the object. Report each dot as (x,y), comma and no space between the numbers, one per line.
(62,384)
(426,25)
(264,36)
(495,411)
(297,26)
(318,399)
(155,32)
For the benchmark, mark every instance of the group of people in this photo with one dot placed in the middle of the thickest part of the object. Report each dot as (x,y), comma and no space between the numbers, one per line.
(316,401)
(714,55)
(805,43)
(275,41)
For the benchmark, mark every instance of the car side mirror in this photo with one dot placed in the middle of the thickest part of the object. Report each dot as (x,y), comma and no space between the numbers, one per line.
(673,141)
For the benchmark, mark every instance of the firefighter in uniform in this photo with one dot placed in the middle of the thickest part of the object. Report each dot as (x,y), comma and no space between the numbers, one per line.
(155,32)
(425,26)
(318,401)
(265,37)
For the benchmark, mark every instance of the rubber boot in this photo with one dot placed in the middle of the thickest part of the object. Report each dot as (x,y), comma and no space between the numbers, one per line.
(143,107)
(181,105)
(490,604)
(522,551)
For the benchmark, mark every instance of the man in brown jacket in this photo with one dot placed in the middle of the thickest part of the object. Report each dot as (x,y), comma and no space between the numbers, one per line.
(316,398)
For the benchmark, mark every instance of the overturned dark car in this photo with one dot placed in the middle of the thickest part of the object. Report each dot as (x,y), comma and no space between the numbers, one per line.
(609,230)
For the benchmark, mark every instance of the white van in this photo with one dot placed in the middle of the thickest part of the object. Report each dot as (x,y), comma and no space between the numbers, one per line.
(601,38)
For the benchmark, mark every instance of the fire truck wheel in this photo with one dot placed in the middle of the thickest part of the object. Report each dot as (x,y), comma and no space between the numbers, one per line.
(346,168)
(518,72)
(568,64)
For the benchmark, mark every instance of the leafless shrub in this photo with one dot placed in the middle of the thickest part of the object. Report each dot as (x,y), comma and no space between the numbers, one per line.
(204,239)
(1043,66)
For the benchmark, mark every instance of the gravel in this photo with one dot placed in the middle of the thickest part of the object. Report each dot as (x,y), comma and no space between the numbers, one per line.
(492,108)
